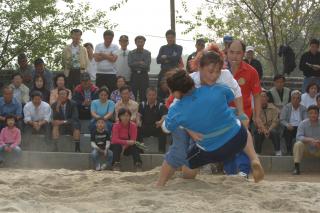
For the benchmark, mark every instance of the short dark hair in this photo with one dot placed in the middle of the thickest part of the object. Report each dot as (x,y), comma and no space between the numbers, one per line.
(125,87)
(211,57)
(7,88)
(88,45)
(60,75)
(16,74)
(151,89)
(200,41)
(140,37)
(8,117)
(63,89)
(123,111)
(104,89)
(100,119)
(279,76)
(38,61)
(171,32)
(22,56)
(36,93)
(124,37)
(313,107)
(108,33)
(76,31)
(181,82)
(120,77)
(311,84)
(314,41)
(243,45)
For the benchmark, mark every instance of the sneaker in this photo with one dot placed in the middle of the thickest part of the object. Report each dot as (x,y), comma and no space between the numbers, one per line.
(98,168)
(296,172)
(117,166)
(278,153)
(244,175)
(104,166)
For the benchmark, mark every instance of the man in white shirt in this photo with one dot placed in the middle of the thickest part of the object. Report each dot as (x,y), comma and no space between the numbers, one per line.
(105,57)
(122,60)
(92,67)
(37,115)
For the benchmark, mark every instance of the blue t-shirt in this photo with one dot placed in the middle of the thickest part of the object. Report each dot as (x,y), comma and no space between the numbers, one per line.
(205,110)
(14,107)
(102,108)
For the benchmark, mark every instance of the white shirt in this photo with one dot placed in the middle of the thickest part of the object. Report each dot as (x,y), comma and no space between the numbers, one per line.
(121,64)
(225,78)
(307,101)
(105,66)
(32,113)
(92,69)
(295,117)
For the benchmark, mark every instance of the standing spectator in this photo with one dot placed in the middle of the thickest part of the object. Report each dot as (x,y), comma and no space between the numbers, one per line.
(124,136)
(127,103)
(102,108)
(308,138)
(318,101)
(105,57)
(92,66)
(65,118)
(74,59)
(169,54)
(25,69)
(279,95)
(20,91)
(310,64)
(10,139)
(100,143)
(200,45)
(37,115)
(59,83)
(139,61)
(309,97)
(115,95)
(83,95)
(9,106)
(40,85)
(121,64)
(255,63)
(270,122)
(40,69)
(151,116)
(291,115)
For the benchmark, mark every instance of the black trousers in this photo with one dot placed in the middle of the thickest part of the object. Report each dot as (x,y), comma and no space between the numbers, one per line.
(108,80)
(139,85)
(73,79)
(289,136)
(259,138)
(131,150)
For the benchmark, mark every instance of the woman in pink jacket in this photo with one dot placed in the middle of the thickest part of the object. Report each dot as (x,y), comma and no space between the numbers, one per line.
(10,139)
(124,135)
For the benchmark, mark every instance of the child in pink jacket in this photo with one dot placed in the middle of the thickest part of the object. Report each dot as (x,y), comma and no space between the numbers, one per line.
(10,139)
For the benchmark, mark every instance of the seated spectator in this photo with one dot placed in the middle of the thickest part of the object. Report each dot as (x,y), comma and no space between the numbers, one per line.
(124,136)
(126,102)
(84,94)
(308,138)
(20,91)
(40,85)
(9,106)
(59,83)
(151,116)
(115,95)
(37,115)
(279,95)
(100,143)
(270,121)
(65,117)
(102,108)
(318,101)
(10,139)
(291,116)
(309,97)
(40,69)
(25,69)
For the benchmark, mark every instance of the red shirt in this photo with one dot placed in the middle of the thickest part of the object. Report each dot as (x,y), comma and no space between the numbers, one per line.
(248,80)
(121,134)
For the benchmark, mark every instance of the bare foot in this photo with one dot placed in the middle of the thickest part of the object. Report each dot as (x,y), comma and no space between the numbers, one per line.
(257,171)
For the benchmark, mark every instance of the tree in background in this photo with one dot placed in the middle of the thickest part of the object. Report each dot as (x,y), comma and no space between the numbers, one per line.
(264,24)
(41,29)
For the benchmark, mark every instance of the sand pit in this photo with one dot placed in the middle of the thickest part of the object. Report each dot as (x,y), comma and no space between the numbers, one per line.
(88,191)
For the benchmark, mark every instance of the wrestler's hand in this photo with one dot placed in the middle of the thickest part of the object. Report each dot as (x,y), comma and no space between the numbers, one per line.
(194,135)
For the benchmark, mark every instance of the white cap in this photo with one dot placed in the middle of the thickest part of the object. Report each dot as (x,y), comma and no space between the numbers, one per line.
(249,48)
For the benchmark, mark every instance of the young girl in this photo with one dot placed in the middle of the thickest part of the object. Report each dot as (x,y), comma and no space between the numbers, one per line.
(205,110)
(10,139)
(124,136)
(40,85)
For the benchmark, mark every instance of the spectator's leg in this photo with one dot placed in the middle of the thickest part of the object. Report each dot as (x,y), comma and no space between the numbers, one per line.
(144,84)
(55,131)
(16,151)
(47,132)
(275,138)
(298,150)
(134,85)
(100,80)
(1,153)
(109,158)
(95,159)
(134,151)
(162,140)
(75,129)
(111,82)
(288,137)
(258,140)
(116,149)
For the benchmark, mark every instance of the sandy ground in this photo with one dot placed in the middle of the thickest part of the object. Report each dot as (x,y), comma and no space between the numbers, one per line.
(88,191)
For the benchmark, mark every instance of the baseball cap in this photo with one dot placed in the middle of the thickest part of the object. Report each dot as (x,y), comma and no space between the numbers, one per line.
(227,38)
(250,48)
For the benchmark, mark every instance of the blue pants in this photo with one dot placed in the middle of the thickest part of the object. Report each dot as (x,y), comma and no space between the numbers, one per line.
(308,80)
(240,163)
(16,152)
(99,158)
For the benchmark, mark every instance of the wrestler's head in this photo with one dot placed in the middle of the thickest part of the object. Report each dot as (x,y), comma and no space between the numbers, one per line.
(180,84)
(210,66)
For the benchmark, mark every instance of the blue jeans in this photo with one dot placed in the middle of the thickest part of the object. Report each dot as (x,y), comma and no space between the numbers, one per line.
(16,152)
(240,163)
(98,157)
(92,126)
(308,80)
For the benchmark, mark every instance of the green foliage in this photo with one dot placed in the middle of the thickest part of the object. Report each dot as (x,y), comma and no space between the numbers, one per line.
(40,29)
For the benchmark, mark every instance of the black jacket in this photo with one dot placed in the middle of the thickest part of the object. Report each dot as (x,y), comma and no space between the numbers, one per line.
(308,57)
